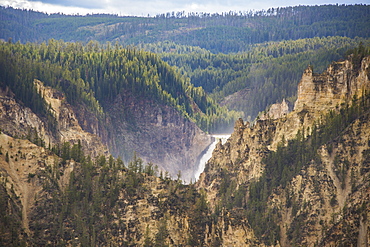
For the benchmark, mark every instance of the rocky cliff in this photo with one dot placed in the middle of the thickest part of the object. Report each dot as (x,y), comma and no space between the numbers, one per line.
(325,203)
(275,111)
(301,179)
(20,122)
(339,83)
(157,133)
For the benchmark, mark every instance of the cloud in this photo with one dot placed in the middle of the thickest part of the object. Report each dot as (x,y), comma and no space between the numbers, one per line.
(52,7)
(93,4)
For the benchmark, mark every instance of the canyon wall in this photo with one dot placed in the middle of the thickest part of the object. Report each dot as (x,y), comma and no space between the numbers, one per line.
(326,202)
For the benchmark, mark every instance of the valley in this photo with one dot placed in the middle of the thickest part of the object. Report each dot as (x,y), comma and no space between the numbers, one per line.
(113,129)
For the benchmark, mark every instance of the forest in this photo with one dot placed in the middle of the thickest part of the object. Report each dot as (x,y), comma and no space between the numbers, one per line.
(219,33)
(269,71)
(94,74)
(244,61)
(211,68)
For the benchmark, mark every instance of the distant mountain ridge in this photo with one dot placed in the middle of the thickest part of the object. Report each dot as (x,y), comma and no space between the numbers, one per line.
(226,54)
(226,32)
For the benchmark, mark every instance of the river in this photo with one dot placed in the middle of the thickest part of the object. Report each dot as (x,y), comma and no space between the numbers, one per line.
(208,153)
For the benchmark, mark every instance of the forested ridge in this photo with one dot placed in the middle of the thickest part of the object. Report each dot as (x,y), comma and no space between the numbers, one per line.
(269,71)
(259,55)
(223,32)
(95,74)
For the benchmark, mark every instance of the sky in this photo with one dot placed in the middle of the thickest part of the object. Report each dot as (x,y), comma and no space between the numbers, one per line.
(154,7)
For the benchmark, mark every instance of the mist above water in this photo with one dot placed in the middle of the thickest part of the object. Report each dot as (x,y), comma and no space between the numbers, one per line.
(208,154)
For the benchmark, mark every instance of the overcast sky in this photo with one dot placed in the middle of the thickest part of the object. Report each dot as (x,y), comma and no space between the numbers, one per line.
(153,7)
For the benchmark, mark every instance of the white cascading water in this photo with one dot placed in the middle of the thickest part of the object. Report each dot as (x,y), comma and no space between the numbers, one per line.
(208,154)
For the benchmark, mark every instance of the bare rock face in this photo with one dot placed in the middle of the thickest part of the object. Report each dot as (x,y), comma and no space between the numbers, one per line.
(69,129)
(22,170)
(329,200)
(157,133)
(19,121)
(275,111)
(339,83)
(321,204)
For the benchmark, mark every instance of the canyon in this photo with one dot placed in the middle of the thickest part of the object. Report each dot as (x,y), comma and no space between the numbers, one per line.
(323,201)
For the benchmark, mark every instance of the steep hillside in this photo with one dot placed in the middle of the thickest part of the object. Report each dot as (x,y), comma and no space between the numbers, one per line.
(157,133)
(291,179)
(49,200)
(303,178)
(20,121)
(265,74)
(128,99)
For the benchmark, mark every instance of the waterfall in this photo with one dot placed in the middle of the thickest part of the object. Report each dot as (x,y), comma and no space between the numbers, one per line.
(208,153)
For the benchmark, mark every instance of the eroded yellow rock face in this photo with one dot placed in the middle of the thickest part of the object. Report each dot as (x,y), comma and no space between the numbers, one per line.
(327,202)
(20,164)
(322,191)
(338,84)
(19,121)
(329,195)
(276,111)
(68,127)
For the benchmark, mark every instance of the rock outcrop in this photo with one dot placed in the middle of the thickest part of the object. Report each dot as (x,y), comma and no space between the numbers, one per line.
(322,203)
(22,164)
(19,121)
(325,201)
(68,126)
(156,132)
(275,111)
(338,84)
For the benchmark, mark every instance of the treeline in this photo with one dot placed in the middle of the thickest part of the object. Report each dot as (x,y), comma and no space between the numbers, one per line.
(32,26)
(236,31)
(95,74)
(224,32)
(268,71)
